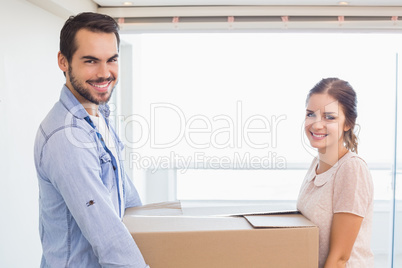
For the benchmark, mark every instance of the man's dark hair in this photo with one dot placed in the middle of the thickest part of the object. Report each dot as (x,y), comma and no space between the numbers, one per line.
(93,22)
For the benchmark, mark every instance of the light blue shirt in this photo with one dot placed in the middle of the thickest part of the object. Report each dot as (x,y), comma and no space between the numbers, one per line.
(78,179)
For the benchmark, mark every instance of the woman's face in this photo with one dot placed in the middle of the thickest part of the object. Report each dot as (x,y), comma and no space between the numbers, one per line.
(325,123)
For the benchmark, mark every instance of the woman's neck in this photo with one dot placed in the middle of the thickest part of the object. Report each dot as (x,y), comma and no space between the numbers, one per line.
(329,157)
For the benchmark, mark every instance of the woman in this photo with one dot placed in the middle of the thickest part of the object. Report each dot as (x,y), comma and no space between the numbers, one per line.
(337,192)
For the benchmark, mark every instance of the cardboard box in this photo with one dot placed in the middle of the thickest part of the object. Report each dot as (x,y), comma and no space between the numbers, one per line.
(171,237)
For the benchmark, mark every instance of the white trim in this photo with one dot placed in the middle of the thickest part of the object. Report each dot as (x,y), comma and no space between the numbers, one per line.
(359,26)
(211,11)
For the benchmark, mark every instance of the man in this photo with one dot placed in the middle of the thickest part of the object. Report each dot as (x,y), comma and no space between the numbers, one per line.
(83,189)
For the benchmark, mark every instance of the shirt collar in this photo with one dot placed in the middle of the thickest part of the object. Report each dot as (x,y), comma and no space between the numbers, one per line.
(104,110)
(323,178)
(320,179)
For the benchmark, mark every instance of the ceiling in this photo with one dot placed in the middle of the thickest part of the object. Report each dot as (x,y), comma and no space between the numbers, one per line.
(133,3)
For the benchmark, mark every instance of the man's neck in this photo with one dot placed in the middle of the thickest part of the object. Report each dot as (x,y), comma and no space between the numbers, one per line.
(91,108)
(329,157)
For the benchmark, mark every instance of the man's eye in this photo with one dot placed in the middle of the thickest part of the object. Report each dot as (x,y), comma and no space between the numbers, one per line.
(90,61)
(310,114)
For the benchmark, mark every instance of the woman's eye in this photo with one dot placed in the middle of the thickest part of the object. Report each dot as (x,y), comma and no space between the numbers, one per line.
(309,114)
(329,117)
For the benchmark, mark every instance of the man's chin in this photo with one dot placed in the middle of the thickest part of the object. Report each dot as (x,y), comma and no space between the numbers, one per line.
(104,98)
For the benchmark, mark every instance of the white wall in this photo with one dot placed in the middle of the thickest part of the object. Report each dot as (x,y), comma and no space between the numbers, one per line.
(30,84)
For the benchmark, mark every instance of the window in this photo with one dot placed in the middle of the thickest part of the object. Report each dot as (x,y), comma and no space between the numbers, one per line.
(219,116)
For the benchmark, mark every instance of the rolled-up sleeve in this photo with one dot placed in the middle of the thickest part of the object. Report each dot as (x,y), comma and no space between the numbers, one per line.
(132,197)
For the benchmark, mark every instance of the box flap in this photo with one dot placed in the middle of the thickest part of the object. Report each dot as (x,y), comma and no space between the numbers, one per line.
(239,210)
(157,209)
(144,224)
(259,216)
(177,208)
(278,221)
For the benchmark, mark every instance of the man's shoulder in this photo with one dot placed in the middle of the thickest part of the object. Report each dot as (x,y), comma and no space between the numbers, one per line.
(60,118)
(57,117)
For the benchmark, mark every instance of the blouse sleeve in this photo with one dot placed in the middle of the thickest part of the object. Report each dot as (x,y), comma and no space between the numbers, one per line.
(353,188)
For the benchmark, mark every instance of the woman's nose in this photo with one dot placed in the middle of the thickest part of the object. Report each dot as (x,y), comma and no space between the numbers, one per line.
(318,123)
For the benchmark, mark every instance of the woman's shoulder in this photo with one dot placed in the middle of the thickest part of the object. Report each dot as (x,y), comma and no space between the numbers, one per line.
(352,159)
(352,162)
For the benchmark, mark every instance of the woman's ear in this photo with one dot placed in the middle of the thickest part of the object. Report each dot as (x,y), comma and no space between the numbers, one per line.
(62,61)
(346,128)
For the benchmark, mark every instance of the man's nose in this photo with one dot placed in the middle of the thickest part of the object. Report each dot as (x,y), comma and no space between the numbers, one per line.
(103,70)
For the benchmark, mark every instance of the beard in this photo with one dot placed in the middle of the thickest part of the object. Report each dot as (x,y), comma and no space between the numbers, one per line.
(86,94)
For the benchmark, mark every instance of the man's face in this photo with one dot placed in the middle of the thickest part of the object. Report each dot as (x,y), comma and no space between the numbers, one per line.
(92,73)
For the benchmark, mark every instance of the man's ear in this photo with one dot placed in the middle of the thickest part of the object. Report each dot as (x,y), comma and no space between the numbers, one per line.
(62,61)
